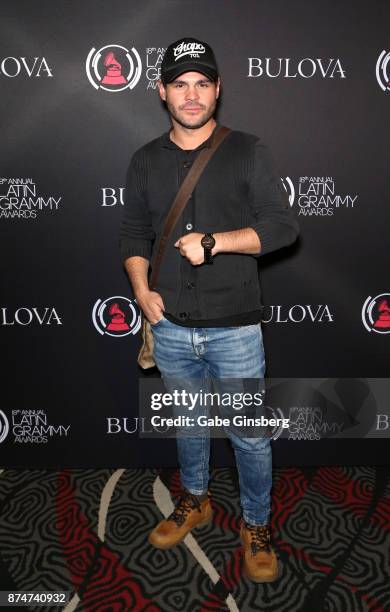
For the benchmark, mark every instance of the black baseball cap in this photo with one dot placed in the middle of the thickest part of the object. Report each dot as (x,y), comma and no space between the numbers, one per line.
(185,55)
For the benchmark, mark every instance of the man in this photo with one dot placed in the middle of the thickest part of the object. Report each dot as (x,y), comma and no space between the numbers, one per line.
(206,310)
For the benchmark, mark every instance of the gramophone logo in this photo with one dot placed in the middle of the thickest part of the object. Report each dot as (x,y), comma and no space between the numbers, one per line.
(382,71)
(290,189)
(376,314)
(116,316)
(4,426)
(113,68)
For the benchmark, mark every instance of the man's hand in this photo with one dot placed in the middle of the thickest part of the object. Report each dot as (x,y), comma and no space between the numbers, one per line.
(245,241)
(190,247)
(151,304)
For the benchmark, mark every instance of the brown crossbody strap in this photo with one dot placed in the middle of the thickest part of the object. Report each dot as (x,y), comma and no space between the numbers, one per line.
(183,196)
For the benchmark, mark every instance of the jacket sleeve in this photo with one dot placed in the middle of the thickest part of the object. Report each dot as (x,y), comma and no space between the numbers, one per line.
(274,222)
(136,233)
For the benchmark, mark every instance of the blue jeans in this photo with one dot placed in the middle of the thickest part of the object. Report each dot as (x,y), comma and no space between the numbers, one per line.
(216,353)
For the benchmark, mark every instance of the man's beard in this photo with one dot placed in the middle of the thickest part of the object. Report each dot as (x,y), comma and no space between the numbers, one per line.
(192,126)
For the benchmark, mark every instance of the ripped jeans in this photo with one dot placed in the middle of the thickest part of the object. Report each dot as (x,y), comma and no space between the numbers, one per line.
(218,352)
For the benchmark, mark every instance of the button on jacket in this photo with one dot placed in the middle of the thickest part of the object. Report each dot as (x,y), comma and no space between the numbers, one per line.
(239,188)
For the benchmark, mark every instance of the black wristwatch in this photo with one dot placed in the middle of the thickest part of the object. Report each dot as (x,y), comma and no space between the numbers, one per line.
(208,242)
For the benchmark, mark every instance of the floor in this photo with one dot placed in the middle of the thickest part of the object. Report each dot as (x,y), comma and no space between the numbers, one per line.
(85,531)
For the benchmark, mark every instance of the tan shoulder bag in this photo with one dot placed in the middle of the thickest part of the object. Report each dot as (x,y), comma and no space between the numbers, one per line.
(145,356)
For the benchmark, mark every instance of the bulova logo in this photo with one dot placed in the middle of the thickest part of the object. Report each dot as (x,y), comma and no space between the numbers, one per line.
(12,67)
(27,316)
(112,196)
(193,49)
(131,425)
(305,68)
(298,313)
(382,422)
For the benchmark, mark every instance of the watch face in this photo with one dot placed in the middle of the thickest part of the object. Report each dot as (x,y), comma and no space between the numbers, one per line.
(208,241)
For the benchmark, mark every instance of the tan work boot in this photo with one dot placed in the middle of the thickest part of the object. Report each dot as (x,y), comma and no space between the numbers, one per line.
(260,560)
(188,513)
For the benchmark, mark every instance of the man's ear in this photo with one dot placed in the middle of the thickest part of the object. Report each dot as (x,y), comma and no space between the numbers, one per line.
(161,90)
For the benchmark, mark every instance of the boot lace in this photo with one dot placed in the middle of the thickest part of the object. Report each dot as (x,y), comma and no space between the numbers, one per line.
(185,504)
(260,537)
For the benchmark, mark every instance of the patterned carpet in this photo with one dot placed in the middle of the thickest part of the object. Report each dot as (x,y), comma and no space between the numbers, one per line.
(86,531)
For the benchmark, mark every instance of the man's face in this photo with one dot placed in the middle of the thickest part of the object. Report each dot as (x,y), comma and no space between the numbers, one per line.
(191,99)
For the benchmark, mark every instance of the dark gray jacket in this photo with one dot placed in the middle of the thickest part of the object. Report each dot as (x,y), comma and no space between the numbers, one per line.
(239,188)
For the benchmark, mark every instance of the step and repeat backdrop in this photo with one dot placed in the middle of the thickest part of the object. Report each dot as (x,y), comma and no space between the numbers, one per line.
(312,81)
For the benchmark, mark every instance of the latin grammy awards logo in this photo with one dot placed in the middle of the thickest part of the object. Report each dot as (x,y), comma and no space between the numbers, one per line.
(376,314)
(317,196)
(113,68)
(116,316)
(118,320)
(4,426)
(113,74)
(383,320)
(289,188)
(382,71)
(275,413)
